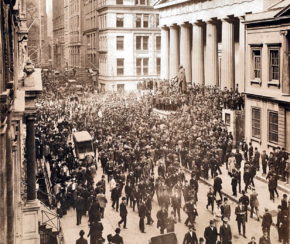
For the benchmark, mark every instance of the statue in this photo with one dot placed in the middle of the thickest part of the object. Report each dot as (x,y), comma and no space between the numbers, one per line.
(28,67)
(182,86)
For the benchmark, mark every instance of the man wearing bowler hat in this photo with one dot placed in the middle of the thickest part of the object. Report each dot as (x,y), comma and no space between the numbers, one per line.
(123,213)
(210,233)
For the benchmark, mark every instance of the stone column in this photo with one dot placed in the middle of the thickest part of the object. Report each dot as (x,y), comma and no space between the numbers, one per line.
(211,69)
(10,182)
(31,160)
(241,75)
(174,51)
(285,63)
(164,53)
(3,183)
(228,54)
(197,53)
(185,50)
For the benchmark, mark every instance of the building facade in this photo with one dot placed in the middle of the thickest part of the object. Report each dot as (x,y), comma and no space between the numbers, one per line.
(267,84)
(37,32)
(91,32)
(129,43)
(18,211)
(58,34)
(76,38)
(207,38)
(66,31)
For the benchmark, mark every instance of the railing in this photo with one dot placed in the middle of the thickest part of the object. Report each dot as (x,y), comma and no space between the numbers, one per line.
(52,219)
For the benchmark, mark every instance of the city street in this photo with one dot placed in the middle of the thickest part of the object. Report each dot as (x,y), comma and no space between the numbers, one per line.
(132,235)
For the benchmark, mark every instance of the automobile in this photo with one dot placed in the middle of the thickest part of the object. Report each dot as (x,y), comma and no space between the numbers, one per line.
(83,144)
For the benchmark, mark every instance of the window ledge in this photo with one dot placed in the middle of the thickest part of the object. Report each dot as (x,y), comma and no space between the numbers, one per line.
(274,83)
(256,140)
(273,145)
(256,81)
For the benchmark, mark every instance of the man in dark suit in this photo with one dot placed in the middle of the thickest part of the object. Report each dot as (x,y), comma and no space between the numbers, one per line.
(217,185)
(162,216)
(267,221)
(115,195)
(123,213)
(79,209)
(210,233)
(239,158)
(117,239)
(241,217)
(82,240)
(245,201)
(225,232)
(136,193)
(190,236)
(142,215)
(226,209)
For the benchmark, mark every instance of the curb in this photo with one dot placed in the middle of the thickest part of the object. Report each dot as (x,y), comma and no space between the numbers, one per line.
(278,187)
(224,193)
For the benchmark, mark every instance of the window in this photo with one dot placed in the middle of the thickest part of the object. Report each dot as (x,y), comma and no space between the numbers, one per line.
(142,42)
(145,66)
(120,66)
(227,119)
(138,42)
(257,64)
(138,66)
(158,42)
(273,127)
(119,1)
(274,65)
(145,21)
(256,122)
(140,2)
(120,43)
(120,20)
(145,42)
(158,65)
(138,20)
(142,66)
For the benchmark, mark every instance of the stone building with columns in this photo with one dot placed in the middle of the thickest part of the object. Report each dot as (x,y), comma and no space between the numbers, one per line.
(18,211)
(267,83)
(129,43)
(207,38)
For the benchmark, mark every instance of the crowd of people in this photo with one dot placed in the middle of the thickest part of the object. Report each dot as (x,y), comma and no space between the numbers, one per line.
(130,141)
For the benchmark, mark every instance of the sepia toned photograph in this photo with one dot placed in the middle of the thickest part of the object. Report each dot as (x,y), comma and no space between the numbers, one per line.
(145,121)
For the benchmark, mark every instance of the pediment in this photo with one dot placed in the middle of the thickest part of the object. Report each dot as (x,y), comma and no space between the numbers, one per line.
(283,12)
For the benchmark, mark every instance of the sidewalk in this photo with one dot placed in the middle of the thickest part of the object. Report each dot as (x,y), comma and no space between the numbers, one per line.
(261,187)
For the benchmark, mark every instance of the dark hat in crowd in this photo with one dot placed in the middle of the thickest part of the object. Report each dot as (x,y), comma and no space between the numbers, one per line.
(118,230)
(123,198)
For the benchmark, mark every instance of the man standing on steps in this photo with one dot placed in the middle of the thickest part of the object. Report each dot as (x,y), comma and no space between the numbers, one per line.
(123,213)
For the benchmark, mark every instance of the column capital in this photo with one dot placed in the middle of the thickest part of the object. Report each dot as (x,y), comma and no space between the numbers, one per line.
(30,116)
(284,32)
(199,23)
(185,25)
(228,20)
(164,27)
(174,26)
(212,21)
